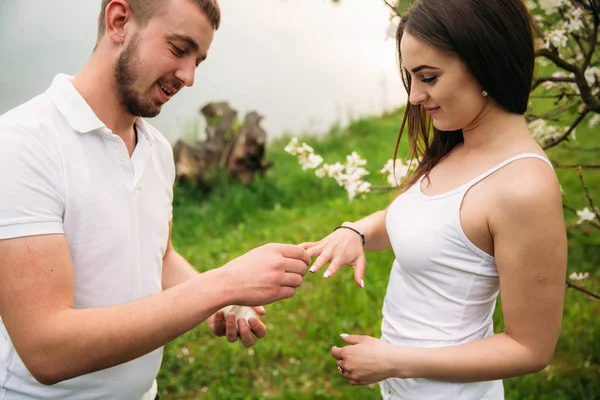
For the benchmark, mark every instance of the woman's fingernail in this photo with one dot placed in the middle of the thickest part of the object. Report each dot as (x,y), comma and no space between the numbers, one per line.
(326,274)
(344,335)
(313,269)
(362,283)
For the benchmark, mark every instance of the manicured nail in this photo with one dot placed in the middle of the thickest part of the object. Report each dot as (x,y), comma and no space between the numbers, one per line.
(326,274)
(344,335)
(362,283)
(313,269)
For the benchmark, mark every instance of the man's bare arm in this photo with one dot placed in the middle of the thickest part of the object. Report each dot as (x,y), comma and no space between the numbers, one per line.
(57,342)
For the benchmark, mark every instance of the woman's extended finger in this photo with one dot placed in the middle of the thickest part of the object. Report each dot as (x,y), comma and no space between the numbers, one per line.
(308,245)
(323,259)
(334,267)
(359,271)
(315,251)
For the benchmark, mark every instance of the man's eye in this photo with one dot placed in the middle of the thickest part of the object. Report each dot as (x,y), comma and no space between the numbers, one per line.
(429,79)
(178,52)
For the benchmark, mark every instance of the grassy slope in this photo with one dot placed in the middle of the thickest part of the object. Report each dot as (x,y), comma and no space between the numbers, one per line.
(294,361)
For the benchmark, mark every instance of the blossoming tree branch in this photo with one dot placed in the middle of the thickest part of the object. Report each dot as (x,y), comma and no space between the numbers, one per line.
(567,77)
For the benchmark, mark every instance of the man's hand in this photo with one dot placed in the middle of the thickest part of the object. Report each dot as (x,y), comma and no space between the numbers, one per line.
(227,326)
(266,274)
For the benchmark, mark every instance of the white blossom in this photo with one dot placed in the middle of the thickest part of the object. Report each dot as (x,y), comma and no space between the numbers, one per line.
(585,215)
(543,62)
(579,276)
(321,172)
(551,6)
(333,170)
(595,120)
(292,147)
(306,154)
(312,161)
(355,160)
(557,37)
(397,172)
(543,132)
(573,25)
(355,188)
(349,176)
(591,75)
(548,85)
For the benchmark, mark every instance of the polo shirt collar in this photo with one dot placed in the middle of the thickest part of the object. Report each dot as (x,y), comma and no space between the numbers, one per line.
(72,105)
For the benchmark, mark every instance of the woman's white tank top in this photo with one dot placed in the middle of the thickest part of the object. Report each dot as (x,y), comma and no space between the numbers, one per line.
(442,289)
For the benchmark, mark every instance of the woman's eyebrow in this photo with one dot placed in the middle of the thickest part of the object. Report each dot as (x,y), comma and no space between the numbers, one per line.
(420,67)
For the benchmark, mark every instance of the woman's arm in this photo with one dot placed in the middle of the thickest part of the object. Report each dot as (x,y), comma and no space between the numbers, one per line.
(530,250)
(373,227)
(345,247)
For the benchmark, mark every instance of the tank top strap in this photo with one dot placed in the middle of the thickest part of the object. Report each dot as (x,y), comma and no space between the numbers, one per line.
(504,163)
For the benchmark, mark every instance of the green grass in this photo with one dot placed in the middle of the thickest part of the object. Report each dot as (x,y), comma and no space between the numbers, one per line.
(291,205)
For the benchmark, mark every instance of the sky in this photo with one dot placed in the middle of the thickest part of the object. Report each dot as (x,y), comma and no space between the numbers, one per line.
(302,64)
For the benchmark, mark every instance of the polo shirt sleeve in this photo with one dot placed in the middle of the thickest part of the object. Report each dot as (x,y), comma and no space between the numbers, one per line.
(31,185)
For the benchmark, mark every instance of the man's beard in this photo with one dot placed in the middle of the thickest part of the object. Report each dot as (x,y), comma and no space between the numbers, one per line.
(125,79)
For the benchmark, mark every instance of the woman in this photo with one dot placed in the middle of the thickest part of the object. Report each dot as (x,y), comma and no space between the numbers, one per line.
(481,214)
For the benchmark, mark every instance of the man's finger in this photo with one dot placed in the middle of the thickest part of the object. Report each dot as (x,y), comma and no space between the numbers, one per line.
(258,327)
(295,267)
(245,333)
(218,323)
(295,252)
(292,280)
(260,310)
(231,327)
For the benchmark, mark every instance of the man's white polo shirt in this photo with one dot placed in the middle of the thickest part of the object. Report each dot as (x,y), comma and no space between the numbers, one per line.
(62,171)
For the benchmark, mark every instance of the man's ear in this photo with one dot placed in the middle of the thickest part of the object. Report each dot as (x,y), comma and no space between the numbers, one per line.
(117,16)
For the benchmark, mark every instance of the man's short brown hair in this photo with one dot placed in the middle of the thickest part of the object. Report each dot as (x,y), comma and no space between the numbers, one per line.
(144,10)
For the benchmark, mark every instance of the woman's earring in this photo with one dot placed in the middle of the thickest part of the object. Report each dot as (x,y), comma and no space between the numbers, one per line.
(484,93)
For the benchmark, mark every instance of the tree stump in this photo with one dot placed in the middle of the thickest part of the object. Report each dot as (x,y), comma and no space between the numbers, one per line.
(240,152)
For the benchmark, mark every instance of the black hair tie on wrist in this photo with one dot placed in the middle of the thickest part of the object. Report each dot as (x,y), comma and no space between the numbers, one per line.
(352,229)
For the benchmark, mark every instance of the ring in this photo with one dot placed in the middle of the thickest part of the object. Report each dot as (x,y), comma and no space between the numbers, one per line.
(342,370)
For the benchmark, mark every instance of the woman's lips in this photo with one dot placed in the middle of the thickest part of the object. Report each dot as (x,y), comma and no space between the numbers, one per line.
(432,110)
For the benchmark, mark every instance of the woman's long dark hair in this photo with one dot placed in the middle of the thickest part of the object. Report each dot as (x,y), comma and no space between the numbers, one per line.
(493,38)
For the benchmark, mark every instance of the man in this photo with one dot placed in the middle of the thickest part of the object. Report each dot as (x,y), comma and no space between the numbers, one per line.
(91,286)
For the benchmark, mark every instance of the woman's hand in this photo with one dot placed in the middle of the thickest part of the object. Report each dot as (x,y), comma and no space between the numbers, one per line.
(341,247)
(367,360)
